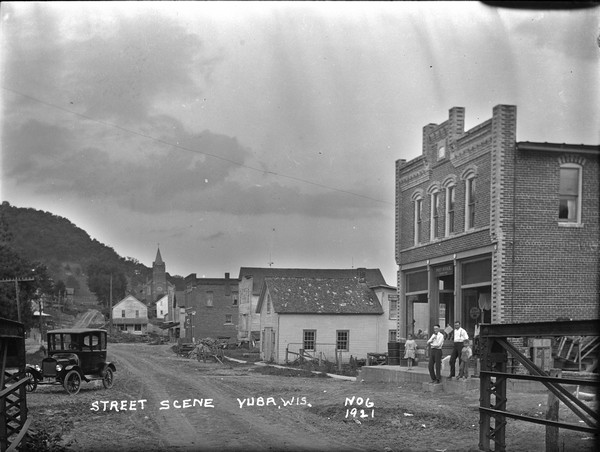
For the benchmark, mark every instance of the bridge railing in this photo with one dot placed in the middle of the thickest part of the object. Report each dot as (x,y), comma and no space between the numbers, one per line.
(496,348)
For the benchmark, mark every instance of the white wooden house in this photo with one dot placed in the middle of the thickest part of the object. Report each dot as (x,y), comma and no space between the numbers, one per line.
(162,307)
(388,297)
(251,281)
(319,317)
(130,315)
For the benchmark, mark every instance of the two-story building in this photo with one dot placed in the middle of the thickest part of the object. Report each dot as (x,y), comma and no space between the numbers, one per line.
(211,307)
(489,229)
(130,315)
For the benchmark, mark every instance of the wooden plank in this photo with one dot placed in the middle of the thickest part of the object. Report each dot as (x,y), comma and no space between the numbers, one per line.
(552,415)
(541,329)
(17,440)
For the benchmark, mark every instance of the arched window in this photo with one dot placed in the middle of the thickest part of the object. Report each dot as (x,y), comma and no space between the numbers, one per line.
(450,208)
(435,215)
(418,216)
(470,202)
(449,185)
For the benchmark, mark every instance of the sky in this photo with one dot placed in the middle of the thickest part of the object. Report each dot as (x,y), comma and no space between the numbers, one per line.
(253,134)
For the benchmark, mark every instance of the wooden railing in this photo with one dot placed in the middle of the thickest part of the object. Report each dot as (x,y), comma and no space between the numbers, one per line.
(13,395)
(495,351)
(14,422)
(581,350)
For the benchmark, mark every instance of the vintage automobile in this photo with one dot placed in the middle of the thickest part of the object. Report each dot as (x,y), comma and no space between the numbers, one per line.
(74,355)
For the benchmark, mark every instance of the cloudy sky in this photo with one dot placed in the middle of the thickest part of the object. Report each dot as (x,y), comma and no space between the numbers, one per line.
(243,134)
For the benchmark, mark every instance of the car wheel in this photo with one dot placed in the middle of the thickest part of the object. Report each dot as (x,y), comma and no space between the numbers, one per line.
(72,382)
(107,380)
(32,383)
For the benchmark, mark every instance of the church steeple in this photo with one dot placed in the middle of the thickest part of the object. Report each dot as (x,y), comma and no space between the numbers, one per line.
(158,260)
(159,277)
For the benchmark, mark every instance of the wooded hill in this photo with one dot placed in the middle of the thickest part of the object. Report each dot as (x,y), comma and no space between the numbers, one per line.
(65,249)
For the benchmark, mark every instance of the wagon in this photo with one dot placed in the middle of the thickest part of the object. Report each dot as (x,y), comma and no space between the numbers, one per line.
(74,355)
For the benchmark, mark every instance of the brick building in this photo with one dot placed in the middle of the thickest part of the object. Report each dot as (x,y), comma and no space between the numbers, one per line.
(211,307)
(489,229)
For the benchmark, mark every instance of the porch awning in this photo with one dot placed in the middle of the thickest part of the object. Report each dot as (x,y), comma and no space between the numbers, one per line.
(129,321)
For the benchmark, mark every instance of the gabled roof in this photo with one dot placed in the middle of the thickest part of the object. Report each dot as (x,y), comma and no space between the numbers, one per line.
(373,276)
(130,298)
(165,297)
(319,296)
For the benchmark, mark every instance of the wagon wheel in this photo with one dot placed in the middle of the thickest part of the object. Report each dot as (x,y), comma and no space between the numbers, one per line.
(72,382)
(31,385)
(108,378)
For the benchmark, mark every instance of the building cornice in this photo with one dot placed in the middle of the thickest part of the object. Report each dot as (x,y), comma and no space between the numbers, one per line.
(558,147)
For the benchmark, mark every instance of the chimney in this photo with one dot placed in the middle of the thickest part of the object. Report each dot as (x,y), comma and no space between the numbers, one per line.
(227,287)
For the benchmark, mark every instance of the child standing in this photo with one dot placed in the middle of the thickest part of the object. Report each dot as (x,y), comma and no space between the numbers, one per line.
(410,350)
(465,354)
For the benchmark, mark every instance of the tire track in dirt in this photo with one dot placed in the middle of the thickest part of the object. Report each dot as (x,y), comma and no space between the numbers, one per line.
(224,427)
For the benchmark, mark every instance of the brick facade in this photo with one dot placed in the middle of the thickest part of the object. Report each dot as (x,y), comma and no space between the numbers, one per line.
(517,262)
(211,307)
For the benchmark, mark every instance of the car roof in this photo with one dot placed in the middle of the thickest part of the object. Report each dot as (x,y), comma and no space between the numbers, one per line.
(77,330)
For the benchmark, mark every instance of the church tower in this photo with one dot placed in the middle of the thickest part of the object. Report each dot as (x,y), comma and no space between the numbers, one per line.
(159,277)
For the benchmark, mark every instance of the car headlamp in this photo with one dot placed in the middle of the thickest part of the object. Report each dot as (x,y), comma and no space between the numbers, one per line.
(59,367)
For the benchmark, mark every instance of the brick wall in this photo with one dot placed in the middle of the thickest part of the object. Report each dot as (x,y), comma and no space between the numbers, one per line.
(210,321)
(466,153)
(556,268)
(541,269)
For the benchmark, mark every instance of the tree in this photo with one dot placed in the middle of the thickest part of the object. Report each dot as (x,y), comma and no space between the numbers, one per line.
(99,282)
(12,265)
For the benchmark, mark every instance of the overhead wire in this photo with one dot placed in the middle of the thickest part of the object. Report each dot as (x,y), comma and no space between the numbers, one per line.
(183,148)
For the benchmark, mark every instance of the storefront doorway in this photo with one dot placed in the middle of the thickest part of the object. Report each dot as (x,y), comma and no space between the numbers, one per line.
(476,287)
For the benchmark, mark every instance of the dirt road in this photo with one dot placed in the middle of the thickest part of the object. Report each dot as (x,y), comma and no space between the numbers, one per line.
(163,402)
(213,418)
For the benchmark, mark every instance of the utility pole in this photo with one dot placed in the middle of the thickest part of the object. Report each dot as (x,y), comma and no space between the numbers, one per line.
(40,310)
(16,280)
(110,318)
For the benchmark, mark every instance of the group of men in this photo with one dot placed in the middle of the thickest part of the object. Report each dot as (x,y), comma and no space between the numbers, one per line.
(436,341)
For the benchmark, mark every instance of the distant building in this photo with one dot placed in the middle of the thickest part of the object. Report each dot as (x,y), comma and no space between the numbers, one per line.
(321,318)
(489,229)
(251,281)
(130,315)
(388,326)
(158,287)
(211,308)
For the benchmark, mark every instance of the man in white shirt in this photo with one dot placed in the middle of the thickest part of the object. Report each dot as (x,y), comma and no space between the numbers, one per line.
(460,336)
(435,354)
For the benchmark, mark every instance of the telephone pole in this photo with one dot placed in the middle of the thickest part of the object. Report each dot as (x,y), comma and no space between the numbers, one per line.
(16,280)
(110,318)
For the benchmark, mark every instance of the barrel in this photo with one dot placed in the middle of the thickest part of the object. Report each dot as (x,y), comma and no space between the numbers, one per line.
(394,353)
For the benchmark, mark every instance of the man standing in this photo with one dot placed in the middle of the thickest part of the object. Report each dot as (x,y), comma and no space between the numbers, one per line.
(460,336)
(435,354)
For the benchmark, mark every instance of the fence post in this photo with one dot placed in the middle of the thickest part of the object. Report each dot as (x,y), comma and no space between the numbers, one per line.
(552,415)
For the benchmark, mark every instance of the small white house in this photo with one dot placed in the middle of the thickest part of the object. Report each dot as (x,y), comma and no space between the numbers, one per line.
(130,315)
(162,307)
(388,297)
(318,317)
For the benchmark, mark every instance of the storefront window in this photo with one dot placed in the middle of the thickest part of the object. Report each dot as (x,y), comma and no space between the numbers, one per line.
(416,282)
(476,293)
(477,272)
